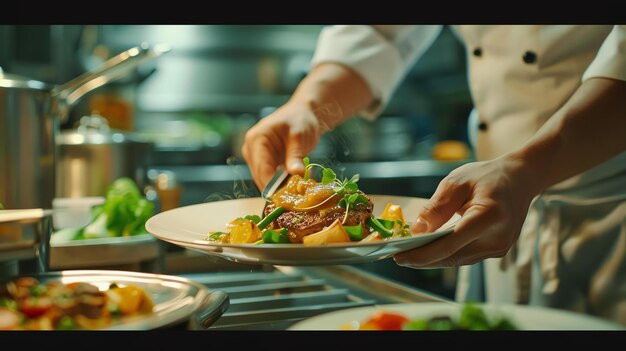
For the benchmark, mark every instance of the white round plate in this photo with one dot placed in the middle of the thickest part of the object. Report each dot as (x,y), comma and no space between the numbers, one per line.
(189,226)
(524,317)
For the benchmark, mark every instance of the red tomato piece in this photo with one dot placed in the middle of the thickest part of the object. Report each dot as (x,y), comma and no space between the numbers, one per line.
(387,320)
(34,306)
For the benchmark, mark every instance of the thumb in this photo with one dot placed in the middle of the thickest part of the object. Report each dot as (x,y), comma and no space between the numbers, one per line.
(297,150)
(446,201)
(294,164)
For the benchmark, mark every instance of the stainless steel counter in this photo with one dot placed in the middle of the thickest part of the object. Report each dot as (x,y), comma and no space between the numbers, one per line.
(275,297)
(138,253)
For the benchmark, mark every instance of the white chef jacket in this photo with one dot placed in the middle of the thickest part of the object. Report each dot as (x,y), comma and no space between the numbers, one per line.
(571,252)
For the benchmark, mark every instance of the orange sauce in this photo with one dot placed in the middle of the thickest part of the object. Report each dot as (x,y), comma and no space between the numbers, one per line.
(300,195)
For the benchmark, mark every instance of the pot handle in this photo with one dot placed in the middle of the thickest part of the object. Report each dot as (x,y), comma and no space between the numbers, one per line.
(114,68)
(214,305)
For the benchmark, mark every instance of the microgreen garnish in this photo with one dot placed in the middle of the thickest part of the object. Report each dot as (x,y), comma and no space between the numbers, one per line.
(402,229)
(306,167)
(348,187)
(330,177)
(351,200)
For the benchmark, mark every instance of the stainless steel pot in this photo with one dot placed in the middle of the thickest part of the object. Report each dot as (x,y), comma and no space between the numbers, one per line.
(30,115)
(92,156)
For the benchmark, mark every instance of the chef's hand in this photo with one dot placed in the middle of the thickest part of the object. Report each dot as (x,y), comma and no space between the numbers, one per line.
(493,199)
(493,196)
(329,95)
(284,137)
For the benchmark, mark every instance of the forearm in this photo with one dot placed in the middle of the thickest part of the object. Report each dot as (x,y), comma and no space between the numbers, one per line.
(589,129)
(334,93)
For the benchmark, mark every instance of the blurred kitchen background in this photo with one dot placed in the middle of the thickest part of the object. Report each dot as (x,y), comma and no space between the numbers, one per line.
(195,103)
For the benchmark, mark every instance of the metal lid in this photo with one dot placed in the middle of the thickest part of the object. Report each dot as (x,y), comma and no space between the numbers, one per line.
(94,129)
(14,81)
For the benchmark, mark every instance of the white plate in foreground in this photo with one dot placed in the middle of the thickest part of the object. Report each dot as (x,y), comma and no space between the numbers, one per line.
(189,226)
(524,317)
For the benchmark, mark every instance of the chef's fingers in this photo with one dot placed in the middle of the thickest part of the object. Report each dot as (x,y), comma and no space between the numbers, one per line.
(448,199)
(303,138)
(262,155)
(470,254)
(439,249)
(298,147)
(478,234)
(474,252)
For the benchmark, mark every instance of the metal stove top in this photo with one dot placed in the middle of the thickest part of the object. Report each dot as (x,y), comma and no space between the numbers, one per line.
(277,298)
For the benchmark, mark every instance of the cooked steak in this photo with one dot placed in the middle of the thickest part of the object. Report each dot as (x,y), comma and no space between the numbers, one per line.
(302,223)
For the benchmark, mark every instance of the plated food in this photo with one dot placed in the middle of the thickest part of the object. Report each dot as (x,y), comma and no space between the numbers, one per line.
(29,304)
(307,222)
(310,212)
(420,316)
(187,226)
(107,300)
(471,317)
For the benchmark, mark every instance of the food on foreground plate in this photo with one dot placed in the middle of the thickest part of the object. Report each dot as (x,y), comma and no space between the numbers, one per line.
(472,317)
(28,304)
(124,213)
(311,212)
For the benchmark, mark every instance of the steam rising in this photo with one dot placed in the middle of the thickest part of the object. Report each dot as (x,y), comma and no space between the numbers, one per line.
(243,187)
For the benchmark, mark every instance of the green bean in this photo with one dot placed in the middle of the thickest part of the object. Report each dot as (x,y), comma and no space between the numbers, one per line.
(270,217)
(379,227)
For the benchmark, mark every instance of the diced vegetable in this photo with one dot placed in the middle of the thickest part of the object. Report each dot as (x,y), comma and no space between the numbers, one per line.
(418,324)
(244,231)
(442,323)
(379,227)
(9,319)
(8,303)
(335,233)
(473,317)
(66,323)
(133,300)
(271,236)
(34,306)
(386,223)
(355,232)
(384,320)
(393,212)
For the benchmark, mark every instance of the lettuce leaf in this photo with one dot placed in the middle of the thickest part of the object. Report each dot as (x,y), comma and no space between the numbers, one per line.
(124,212)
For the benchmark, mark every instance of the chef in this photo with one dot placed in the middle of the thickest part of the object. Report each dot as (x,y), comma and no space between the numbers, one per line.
(544,208)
